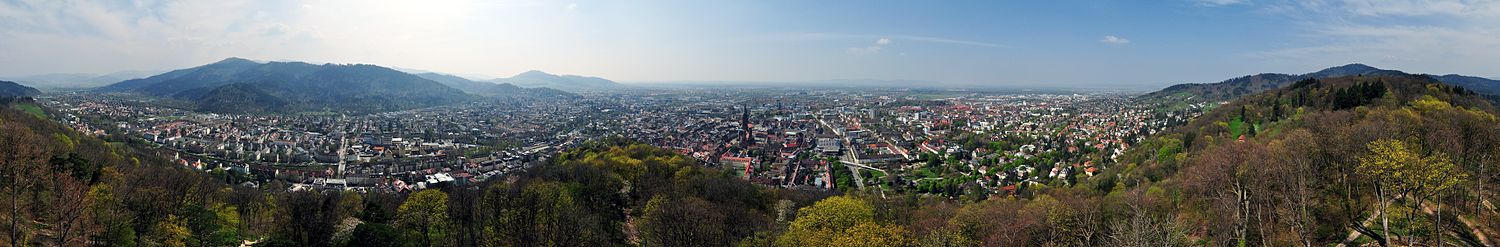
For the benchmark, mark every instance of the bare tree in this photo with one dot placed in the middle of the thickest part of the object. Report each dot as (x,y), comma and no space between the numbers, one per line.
(69,209)
(21,166)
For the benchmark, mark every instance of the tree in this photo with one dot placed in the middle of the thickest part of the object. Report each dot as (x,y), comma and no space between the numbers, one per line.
(170,232)
(1292,167)
(873,235)
(819,224)
(1400,170)
(466,227)
(975,220)
(107,211)
(1142,228)
(213,226)
(68,212)
(945,238)
(683,222)
(375,235)
(307,217)
(1226,180)
(1386,158)
(21,172)
(424,216)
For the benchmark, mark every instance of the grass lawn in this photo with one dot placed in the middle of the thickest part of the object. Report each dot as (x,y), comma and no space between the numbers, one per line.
(31,108)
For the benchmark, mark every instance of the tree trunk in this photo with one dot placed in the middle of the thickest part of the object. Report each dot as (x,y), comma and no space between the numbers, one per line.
(15,213)
(426,239)
(1242,205)
(1439,222)
(1385,223)
(1302,213)
(1410,234)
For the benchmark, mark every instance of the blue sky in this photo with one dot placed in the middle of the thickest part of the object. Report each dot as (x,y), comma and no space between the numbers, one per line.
(1117,44)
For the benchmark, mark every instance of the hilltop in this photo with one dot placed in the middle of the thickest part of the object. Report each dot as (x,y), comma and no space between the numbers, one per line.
(241,85)
(571,83)
(12,89)
(1245,85)
(67,81)
(500,90)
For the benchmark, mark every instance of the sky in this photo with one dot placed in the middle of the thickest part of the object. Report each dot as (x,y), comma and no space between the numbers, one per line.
(1146,44)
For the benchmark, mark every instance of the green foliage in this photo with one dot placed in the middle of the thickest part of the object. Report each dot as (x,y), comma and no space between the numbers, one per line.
(840,221)
(32,109)
(169,232)
(424,217)
(213,226)
(1169,148)
(1322,150)
(583,199)
(376,235)
(1236,127)
(1401,164)
(842,177)
(945,238)
(1360,94)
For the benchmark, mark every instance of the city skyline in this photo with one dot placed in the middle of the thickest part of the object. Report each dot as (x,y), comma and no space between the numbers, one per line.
(1135,45)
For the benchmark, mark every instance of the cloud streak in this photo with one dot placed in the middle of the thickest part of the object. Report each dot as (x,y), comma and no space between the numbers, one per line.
(872,49)
(805,37)
(1437,36)
(1214,3)
(1113,40)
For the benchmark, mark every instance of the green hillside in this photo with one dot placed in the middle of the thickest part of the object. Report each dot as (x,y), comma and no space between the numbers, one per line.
(1322,158)
(238,85)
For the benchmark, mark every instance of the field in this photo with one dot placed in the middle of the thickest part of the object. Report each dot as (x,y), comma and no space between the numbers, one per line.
(31,108)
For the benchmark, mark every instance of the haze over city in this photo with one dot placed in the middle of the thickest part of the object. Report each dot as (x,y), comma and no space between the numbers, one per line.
(1123,44)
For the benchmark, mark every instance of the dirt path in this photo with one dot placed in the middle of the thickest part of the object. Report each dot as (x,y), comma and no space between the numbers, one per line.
(1354,234)
(1479,231)
(1476,229)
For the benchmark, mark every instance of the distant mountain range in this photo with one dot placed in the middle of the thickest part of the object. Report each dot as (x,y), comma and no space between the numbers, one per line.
(9,89)
(76,80)
(570,83)
(836,83)
(484,88)
(240,85)
(1246,85)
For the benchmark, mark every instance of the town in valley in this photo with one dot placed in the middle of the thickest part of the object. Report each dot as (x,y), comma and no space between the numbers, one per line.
(939,142)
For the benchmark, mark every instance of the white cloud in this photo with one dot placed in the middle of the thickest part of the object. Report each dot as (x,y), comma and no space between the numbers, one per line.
(573,6)
(1420,7)
(950,41)
(1436,36)
(1112,40)
(1214,3)
(1425,49)
(803,37)
(872,49)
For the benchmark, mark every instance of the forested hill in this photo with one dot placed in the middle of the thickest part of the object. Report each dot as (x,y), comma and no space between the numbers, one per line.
(1327,160)
(1233,88)
(64,188)
(571,83)
(12,89)
(497,90)
(239,85)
